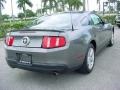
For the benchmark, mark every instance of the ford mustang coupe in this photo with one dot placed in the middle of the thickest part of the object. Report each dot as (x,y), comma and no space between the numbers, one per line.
(60,42)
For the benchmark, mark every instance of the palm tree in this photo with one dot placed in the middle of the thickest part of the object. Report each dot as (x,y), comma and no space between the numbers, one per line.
(77,4)
(74,4)
(22,3)
(55,4)
(62,4)
(1,6)
(50,4)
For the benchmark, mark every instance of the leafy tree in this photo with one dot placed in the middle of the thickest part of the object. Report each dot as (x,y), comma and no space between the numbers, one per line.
(5,16)
(1,7)
(21,15)
(38,11)
(22,5)
(84,2)
(29,13)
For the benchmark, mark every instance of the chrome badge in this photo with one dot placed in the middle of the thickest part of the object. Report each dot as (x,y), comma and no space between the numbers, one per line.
(26,40)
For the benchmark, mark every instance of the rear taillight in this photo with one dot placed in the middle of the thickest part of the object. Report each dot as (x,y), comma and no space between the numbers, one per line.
(53,42)
(9,40)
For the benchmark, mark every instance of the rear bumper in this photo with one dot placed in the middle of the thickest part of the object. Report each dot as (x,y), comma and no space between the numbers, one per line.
(43,68)
(60,59)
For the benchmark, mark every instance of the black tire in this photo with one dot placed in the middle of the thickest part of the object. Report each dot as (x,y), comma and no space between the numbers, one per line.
(111,42)
(118,26)
(85,68)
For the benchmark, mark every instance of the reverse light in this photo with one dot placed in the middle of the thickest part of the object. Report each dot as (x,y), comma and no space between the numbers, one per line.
(9,40)
(49,42)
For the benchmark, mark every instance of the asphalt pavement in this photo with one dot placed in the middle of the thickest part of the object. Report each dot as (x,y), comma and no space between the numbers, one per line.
(105,76)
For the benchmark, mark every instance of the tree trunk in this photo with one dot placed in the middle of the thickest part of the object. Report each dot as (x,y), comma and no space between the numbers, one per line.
(84,5)
(99,5)
(12,10)
(63,7)
(87,5)
(24,10)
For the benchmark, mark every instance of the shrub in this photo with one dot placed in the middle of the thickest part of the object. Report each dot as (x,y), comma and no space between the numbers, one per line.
(10,26)
(109,18)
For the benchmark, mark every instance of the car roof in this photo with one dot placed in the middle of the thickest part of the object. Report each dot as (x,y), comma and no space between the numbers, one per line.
(81,12)
(73,12)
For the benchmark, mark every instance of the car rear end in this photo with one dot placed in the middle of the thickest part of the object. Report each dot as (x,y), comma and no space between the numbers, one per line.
(39,50)
(51,45)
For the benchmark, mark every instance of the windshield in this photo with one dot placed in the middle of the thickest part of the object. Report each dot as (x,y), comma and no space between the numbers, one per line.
(61,21)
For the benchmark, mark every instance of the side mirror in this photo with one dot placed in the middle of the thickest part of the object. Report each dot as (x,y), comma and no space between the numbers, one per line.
(105,20)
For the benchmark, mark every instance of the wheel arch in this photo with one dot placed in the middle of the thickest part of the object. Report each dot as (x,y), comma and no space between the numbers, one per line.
(93,42)
(113,29)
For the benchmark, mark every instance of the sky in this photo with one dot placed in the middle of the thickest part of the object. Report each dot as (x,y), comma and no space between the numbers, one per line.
(36,4)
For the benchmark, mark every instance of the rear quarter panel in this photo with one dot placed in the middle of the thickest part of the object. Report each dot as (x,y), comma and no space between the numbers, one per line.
(79,41)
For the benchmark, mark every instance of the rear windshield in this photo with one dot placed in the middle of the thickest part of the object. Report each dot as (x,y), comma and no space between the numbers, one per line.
(39,20)
(61,21)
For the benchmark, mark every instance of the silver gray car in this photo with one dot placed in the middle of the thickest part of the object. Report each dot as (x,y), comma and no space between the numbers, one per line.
(62,42)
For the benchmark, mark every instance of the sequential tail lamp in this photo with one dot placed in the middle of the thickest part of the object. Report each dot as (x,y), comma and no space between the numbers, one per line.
(49,42)
(9,40)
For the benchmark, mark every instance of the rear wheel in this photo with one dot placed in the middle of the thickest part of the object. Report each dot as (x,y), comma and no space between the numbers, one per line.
(118,26)
(89,61)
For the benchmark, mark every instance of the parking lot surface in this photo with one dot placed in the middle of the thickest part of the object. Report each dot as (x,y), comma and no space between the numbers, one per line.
(105,76)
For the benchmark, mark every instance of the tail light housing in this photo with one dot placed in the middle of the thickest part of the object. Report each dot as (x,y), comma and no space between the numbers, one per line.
(49,42)
(9,40)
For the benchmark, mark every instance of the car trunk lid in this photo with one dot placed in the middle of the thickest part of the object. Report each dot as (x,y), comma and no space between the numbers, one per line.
(31,38)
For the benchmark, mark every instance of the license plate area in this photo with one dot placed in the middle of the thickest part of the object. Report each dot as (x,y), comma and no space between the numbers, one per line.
(24,59)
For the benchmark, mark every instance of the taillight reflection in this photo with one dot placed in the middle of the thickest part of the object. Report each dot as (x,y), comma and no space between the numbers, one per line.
(49,42)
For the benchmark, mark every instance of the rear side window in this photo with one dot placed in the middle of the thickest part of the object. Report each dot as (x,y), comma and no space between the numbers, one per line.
(85,21)
(96,19)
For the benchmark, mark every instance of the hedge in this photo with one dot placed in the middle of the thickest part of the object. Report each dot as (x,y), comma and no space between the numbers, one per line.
(110,19)
(10,26)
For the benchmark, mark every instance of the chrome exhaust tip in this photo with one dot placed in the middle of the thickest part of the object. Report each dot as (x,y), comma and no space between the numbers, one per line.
(55,73)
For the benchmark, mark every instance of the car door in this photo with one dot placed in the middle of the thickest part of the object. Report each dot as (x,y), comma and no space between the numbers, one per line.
(99,31)
(108,28)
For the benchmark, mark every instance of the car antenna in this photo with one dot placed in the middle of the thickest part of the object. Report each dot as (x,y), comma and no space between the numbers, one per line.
(71,17)
(71,21)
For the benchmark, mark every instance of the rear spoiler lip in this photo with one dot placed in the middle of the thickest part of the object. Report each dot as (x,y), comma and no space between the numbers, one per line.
(49,30)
